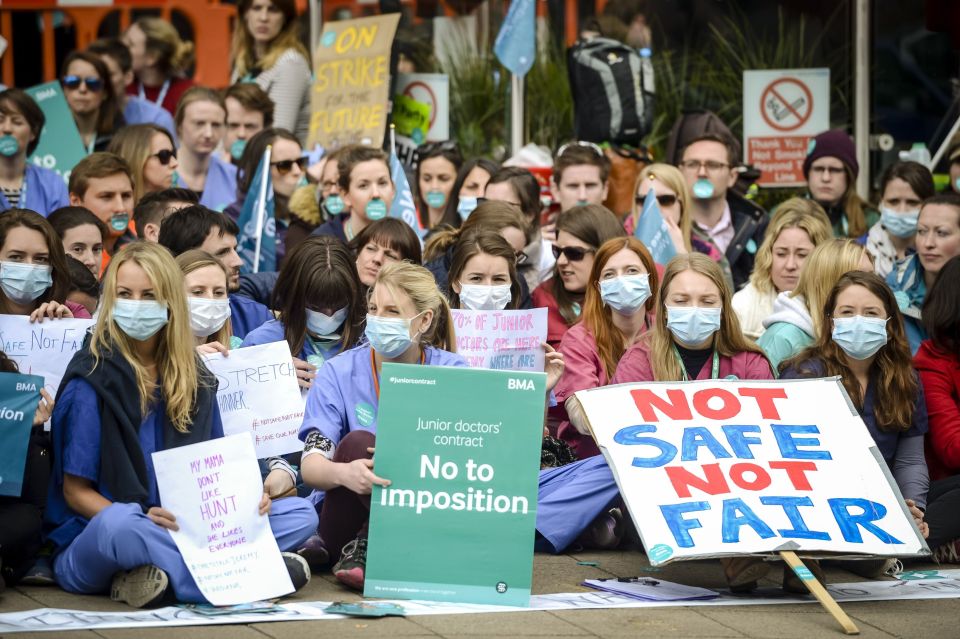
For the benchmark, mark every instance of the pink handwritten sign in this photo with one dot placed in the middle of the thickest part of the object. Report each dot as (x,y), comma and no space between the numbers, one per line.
(502,340)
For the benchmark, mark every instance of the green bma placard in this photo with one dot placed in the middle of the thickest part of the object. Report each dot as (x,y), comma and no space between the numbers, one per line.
(461,447)
(60,147)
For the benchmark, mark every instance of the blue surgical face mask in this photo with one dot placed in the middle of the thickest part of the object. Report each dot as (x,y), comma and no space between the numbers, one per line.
(9,146)
(140,319)
(626,294)
(435,199)
(389,336)
(333,203)
(24,283)
(465,206)
(692,325)
(480,297)
(236,149)
(860,337)
(901,225)
(120,221)
(322,325)
(703,189)
(376,210)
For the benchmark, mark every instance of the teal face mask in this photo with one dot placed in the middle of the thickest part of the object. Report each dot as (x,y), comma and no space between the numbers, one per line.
(692,325)
(9,146)
(703,189)
(119,221)
(303,181)
(860,337)
(333,204)
(901,225)
(236,149)
(626,294)
(24,283)
(376,210)
(435,199)
(465,206)
(140,319)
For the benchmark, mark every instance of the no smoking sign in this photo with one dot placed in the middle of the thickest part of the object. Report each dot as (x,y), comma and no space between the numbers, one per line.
(786,104)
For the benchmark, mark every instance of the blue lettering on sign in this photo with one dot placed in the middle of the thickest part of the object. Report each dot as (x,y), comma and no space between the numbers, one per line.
(737,514)
(739,443)
(629,436)
(789,443)
(791,507)
(850,523)
(679,526)
(696,437)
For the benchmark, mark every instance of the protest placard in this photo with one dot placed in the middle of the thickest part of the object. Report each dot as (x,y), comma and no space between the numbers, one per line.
(258,394)
(213,489)
(502,340)
(351,88)
(19,395)
(42,348)
(727,467)
(462,450)
(60,147)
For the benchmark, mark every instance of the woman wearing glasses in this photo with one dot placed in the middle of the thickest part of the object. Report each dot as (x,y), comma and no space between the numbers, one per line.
(23,184)
(89,93)
(580,232)
(151,154)
(831,170)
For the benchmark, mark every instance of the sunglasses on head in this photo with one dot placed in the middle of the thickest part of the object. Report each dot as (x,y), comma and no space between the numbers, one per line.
(585,145)
(663,200)
(73,83)
(433,147)
(285,166)
(165,155)
(573,253)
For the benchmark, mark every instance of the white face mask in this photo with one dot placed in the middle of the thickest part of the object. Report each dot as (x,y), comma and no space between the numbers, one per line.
(479,297)
(208,316)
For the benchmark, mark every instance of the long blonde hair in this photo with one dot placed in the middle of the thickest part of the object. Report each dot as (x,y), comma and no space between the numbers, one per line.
(796,213)
(673,179)
(177,361)
(822,270)
(194,260)
(727,342)
(242,49)
(418,284)
(133,143)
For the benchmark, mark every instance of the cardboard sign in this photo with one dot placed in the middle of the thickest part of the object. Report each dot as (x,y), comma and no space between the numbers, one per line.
(782,111)
(213,489)
(258,394)
(60,147)
(44,348)
(351,89)
(502,340)
(19,396)
(462,450)
(728,467)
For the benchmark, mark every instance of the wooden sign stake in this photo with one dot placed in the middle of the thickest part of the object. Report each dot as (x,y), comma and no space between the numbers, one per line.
(818,591)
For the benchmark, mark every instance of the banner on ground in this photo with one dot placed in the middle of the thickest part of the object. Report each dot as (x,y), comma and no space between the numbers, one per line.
(462,449)
(42,348)
(258,394)
(213,489)
(19,396)
(351,89)
(729,467)
(60,147)
(503,340)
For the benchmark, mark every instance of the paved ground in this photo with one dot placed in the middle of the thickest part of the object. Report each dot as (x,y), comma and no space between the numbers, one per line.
(937,619)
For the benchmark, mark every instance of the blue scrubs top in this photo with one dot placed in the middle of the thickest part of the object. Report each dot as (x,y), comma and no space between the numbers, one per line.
(76,440)
(46,191)
(140,111)
(246,315)
(273,330)
(220,187)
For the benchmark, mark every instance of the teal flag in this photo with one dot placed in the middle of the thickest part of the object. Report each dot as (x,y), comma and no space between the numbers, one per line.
(403,206)
(60,147)
(257,242)
(461,447)
(516,42)
(19,395)
(652,230)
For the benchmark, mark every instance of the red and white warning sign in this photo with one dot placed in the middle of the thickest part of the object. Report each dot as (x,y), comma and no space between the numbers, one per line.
(782,111)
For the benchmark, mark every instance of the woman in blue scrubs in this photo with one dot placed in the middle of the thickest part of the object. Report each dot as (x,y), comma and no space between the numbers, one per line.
(201,120)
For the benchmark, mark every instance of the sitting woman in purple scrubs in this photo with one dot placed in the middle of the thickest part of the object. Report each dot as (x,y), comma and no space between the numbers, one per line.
(137,387)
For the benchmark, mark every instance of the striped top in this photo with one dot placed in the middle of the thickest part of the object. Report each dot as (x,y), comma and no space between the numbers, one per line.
(288,84)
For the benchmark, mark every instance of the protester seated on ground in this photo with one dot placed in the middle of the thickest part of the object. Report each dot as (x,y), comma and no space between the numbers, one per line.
(34,277)
(287,168)
(938,240)
(437,167)
(383,242)
(159,61)
(103,508)
(200,119)
(580,232)
(831,170)
(617,309)
(154,208)
(863,342)
(89,94)
(103,184)
(205,282)
(82,235)
(20,538)
(367,190)
(472,179)
(84,286)
(797,228)
(483,273)
(150,153)
(795,322)
(249,111)
(319,303)
(23,184)
(903,188)
(520,188)
(267,51)
(197,227)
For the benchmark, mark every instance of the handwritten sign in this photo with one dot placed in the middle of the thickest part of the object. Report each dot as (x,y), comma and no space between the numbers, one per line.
(503,340)
(258,394)
(19,395)
(729,467)
(44,348)
(352,87)
(213,489)
(60,147)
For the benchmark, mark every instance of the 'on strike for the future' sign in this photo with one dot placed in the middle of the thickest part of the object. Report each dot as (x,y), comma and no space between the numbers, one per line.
(729,467)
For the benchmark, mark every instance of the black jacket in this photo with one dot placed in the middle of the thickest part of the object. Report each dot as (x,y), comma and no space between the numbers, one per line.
(749,226)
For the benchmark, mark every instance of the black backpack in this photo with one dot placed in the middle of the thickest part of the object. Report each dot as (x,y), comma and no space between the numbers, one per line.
(612,87)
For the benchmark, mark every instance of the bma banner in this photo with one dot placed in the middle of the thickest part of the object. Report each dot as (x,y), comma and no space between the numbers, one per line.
(258,394)
(19,395)
(461,448)
(42,348)
(213,489)
(351,89)
(505,340)
(60,147)
(728,467)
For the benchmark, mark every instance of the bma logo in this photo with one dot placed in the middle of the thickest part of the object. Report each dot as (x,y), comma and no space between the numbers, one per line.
(520,384)
(21,386)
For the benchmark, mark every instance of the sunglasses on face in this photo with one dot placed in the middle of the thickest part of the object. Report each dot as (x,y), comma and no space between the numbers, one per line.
(285,166)
(663,200)
(165,155)
(73,83)
(573,253)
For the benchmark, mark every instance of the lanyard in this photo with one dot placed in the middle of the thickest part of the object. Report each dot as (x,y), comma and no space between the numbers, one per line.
(93,143)
(376,378)
(160,96)
(714,369)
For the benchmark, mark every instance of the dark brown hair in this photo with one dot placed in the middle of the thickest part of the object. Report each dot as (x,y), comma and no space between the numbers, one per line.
(526,187)
(489,242)
(492,214)
(391,233)
(575,154)
(351,156)
(59,271)
(913,173)
(941,308)
(97,165)
(108,114)
(252,98)
(15,100)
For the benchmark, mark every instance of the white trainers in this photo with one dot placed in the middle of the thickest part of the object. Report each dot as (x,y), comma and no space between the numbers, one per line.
(142,587)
